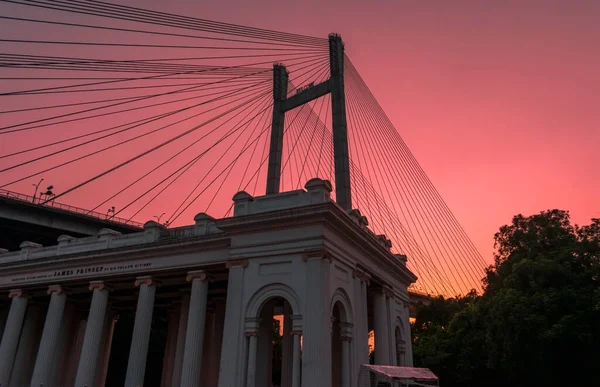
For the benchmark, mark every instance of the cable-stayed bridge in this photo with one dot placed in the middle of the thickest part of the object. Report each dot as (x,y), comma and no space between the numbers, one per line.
(134,115)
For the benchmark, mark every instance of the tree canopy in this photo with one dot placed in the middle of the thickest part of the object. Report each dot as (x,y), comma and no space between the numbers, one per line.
(538,319)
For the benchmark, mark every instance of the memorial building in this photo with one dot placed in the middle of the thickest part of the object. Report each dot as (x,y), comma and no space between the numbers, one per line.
(217,284)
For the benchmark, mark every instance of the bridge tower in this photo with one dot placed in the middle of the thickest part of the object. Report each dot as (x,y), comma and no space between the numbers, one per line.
(282,104)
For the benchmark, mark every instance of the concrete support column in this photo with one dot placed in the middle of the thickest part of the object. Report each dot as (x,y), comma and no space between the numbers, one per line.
(280,86)
(138,353)
(231,369)
(343,195)
(22,367)
(49,342)
(181,331)
(287,350)
(92,340)
(381,328)
(194,337)
(316,354)
(252,355)
(12,331)
(296,359)
(168,359)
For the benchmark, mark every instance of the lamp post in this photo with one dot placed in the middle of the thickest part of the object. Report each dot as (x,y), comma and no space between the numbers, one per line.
(158,217)
(112,209)
(36,189)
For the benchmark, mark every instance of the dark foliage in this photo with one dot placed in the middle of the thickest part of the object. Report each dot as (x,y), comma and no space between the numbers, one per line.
(538,319)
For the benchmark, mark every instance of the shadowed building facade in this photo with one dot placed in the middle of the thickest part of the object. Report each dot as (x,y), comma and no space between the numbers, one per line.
(194,305)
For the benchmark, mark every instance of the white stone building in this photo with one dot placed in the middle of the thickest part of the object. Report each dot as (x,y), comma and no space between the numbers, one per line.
(216,286)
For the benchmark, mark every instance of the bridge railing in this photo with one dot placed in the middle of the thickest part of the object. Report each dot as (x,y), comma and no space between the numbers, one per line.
(66,207)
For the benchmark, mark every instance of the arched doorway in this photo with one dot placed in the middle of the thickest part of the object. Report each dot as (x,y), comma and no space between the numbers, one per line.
(341,337)
(273,339)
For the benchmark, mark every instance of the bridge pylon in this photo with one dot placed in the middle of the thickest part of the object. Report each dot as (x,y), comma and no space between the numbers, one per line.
(282,104)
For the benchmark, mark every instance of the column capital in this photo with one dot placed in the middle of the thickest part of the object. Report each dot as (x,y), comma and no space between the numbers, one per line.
(58,289)
(296,333)
(319,254)
(197,274)
(346,338)
(100,285)
(362,275)
(388,291)
(147,280)
(18,293)
(236,263)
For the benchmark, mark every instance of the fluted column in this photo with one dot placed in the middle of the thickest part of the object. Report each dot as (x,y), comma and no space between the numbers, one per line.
(194,337)
(49,342)
(231,369)
(381,323)
(10,337)
(316,355)
(138,353)
(22,367)
(181,331)
(90,352)
(252,355)
(296,359)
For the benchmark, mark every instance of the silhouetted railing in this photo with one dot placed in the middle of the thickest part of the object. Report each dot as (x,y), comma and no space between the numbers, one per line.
(82,211)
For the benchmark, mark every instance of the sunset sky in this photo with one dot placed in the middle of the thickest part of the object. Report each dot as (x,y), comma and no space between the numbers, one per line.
(499,103)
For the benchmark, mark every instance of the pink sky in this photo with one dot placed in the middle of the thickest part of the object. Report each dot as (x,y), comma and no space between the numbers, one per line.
(498,103)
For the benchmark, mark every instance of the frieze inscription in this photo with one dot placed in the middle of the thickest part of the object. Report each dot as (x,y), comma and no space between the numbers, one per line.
(82,271)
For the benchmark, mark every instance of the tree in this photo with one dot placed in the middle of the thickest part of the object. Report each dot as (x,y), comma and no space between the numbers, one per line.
(537,321)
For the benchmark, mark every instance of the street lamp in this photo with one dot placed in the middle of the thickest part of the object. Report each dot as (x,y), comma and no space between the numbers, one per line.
(158,217)
(48,193)
(112,209)
(36,189)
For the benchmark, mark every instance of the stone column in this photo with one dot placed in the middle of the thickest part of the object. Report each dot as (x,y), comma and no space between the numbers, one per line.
(381,328)
(265,347)
(346,338)
(172,326)
(287,350)
(140,339)
(111,321)
(217,340)
(316,354)
(361,326)
(75,350)
(49,342)
(389,298)
(194,337)
(61,358)
(252,354)
(90,352)
(10,337)
(231,368)
(181,331)
(296,359)
(21,371)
